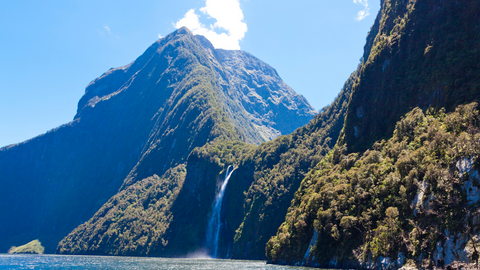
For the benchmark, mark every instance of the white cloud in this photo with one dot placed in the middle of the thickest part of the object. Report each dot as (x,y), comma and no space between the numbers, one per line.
(108,29)
(105,31)
(228,17)
(362,13)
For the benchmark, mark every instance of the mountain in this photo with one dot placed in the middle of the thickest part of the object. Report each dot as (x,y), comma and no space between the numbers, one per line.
(275,170)
(135,123)
(167,215)
(400,187)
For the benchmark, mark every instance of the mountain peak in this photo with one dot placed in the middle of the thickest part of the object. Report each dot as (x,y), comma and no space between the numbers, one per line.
(182,31)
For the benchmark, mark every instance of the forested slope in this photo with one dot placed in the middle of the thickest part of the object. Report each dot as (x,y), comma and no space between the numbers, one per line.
(400,186)
(275,170)
(407,198)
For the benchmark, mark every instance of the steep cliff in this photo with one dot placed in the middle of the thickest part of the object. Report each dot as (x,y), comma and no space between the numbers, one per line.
(419,53)
(400,186)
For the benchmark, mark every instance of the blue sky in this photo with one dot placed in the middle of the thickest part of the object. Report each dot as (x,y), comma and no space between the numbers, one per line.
(51,50)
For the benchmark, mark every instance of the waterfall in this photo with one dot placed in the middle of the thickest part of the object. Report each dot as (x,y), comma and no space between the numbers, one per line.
(214,224)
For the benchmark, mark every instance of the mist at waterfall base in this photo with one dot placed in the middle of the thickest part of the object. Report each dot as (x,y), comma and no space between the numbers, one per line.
(215,222)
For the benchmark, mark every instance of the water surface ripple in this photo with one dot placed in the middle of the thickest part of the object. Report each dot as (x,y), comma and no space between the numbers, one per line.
(8,261)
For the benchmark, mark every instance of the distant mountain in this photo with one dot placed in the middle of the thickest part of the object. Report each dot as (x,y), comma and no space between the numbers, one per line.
(136,122)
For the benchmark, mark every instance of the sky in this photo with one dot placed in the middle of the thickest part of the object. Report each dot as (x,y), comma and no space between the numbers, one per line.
(51,50)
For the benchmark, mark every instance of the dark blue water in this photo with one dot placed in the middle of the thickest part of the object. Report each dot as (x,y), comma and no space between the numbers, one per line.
(8,261)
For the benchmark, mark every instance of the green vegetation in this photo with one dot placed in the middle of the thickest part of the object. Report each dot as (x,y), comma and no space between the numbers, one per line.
(403,195)
(206,168)
(132,222)
(33,247)
(359,199)
(379,196)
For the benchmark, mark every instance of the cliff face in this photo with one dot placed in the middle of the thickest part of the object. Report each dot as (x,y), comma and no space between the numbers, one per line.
(400,186)
(418,54)
(135,122)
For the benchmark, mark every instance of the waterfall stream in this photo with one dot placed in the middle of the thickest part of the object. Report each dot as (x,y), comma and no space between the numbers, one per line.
(214,224)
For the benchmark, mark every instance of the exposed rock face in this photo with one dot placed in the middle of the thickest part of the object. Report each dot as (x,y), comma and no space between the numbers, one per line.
(136,121)
(257,98)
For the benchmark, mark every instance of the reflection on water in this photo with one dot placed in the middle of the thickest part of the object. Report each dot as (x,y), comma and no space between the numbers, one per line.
(8,261)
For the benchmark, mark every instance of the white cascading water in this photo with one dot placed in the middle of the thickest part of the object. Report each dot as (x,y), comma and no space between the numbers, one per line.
(214,224)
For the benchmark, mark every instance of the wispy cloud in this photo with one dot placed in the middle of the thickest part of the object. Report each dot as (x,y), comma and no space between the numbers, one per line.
(228,16)
(106,32)
(362,13)
(106,27)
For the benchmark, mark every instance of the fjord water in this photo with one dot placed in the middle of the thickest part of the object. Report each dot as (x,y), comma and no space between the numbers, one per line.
(215,222)
(8,261)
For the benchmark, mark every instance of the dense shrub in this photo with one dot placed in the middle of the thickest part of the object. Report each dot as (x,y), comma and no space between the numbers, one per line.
(403,197)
